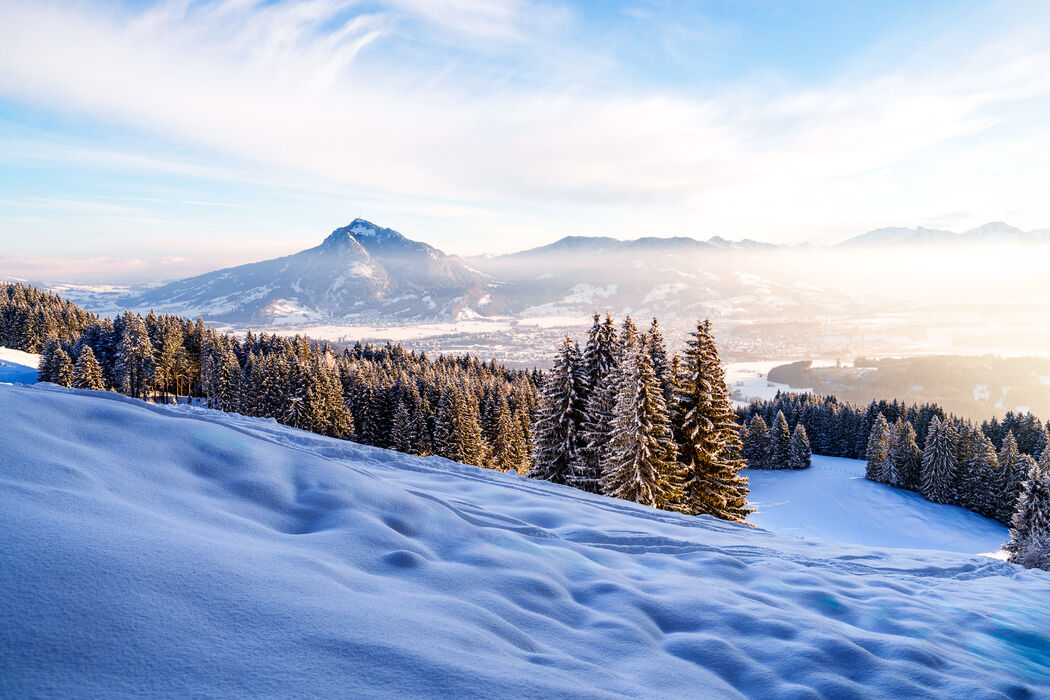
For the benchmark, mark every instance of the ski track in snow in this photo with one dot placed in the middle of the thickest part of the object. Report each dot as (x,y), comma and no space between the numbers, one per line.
(180,551)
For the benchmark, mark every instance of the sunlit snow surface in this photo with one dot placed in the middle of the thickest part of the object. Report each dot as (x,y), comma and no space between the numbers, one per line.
(833,501)
(181,552)
(18,367)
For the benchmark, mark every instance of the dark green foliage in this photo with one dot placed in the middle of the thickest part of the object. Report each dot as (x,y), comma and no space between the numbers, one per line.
(939,466)
(878,451)
(706,430)
(779,443)
(87,374)
(905,457)
(557,436)
(800,452)
(756,445)
(1031,517)
(640,462)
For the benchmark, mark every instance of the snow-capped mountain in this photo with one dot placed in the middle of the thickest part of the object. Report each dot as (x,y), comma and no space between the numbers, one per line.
(893,235)
(359,271)
(995,231)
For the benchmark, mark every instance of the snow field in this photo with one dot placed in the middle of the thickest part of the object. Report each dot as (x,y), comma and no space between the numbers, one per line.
(17,367)
(180,551)
(832,501)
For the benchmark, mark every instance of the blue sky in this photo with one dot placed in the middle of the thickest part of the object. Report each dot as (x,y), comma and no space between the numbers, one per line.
(146,140)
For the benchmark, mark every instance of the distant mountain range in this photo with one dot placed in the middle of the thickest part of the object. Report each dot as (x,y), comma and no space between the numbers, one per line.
(996,231)
(365,274)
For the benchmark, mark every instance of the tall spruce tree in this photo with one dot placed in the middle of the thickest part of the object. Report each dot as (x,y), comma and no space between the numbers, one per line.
(657,350)
(779,442)
(878,449)
(600,363)
(1032,513)
(905,457)
(62,373)
(756,448)
(640,464)
(134,362)
(557,437)
(1014,466)
(709,446)
(799,452)
(87,374)
(938,462)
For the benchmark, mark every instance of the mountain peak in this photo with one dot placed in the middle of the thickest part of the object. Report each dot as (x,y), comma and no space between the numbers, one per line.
(360,233)
(994,230)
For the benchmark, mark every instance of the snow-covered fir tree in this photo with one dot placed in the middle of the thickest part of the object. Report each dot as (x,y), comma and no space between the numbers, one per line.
(1014,466)
(133,371)
(87,374)
(1032,514)
(939,463)
(640,463)
(756,448)
(600,363)
(878,449)
(982,475)
(904,457)
(557,432)
(62,368)
(799,453)
(657,350)
(706,430)
(509,450)
(779,443)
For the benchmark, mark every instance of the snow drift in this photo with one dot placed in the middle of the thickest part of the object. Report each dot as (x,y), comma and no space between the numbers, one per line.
(186,552)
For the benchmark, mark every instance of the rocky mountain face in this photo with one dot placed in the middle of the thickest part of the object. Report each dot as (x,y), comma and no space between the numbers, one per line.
(360,272)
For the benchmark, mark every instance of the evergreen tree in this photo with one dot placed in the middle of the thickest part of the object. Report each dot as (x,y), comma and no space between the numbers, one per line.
(557,437)
(938,462)
(1014,466)
(600,365)
(62,373)
(654,346)
(509,448)
(640,464)
(799,453)
(905,457)
(756,448)
(779,443)
(88,373)
(1032,513)
(134,365)
(707,434)
(878,449)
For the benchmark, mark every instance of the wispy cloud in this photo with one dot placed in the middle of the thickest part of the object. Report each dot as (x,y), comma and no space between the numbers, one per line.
(309,93)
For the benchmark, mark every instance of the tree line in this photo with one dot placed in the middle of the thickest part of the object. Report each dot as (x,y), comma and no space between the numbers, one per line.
(456,407)
(623,418)
(1000,468)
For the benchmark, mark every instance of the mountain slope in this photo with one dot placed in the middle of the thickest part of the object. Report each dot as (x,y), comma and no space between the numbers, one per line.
(153,550)
(359,271)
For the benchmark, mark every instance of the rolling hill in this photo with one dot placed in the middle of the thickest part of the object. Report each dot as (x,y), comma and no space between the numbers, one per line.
(154,549)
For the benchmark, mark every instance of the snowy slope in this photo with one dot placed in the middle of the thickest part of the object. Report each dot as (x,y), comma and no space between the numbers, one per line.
(18,367)
(171,550)
(833,501)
